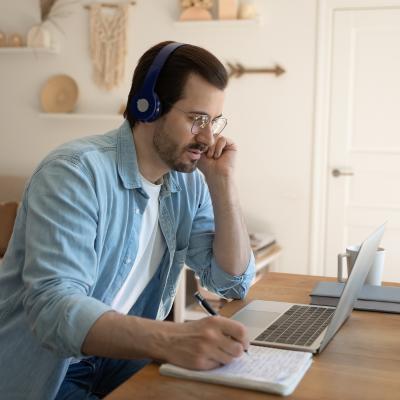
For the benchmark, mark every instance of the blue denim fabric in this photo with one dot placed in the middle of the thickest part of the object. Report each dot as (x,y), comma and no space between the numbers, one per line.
(74,242)
(95,377)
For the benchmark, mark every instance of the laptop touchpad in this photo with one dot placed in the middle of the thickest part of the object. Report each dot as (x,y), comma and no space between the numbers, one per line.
(255,319)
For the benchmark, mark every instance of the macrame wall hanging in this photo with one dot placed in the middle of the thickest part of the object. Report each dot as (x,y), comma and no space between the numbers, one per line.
(108,31)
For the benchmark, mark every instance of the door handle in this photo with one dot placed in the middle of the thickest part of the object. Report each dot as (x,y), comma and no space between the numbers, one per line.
(337,172)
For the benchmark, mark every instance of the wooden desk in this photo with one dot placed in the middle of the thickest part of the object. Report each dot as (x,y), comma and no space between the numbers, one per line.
(361,362)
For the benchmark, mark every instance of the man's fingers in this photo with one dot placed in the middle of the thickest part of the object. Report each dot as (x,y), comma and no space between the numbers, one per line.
(227,350)
(208,363)
(207,343)
(235,330)
(219,146)
(210,151)
(231,347)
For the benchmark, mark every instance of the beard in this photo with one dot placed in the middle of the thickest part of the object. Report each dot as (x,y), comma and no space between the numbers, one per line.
(172,153)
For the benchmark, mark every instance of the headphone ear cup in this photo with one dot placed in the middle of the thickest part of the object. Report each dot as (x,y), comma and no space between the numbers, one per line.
(146,108)
(156,107)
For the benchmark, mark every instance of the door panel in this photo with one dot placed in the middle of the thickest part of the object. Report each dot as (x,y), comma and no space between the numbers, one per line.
(364,133)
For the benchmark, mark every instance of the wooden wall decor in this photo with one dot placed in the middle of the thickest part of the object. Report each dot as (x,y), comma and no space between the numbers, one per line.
(110,5)
(237,70)
(108,42)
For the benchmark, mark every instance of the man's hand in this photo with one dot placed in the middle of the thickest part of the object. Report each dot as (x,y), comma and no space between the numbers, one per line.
(219,159)
(201,344)
(206,343)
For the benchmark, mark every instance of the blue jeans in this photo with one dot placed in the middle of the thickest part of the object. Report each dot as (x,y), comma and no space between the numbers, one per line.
(95,377)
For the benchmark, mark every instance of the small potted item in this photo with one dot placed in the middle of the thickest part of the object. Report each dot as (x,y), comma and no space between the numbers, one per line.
(196,10)
(247,10)
(15,40)
(227,9)
(38,37)
(3,39)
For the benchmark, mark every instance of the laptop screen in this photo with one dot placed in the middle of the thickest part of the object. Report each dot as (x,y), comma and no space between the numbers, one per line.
(354,283)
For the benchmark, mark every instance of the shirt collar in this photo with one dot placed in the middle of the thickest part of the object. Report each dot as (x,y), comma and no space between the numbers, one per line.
(128,168)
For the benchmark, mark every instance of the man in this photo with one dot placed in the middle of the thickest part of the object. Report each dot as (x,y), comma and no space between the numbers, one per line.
(104,229)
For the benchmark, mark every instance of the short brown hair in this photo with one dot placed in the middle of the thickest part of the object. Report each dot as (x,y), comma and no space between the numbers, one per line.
(180,64)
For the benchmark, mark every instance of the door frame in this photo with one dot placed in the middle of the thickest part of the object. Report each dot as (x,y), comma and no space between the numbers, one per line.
(320,150)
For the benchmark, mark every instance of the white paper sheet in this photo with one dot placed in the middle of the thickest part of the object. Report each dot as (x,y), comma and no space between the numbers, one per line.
(263,368)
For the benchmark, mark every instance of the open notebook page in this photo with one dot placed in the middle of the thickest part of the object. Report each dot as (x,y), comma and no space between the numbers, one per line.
(264,368)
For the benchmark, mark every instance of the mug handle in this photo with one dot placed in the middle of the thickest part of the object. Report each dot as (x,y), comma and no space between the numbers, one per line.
(340,277)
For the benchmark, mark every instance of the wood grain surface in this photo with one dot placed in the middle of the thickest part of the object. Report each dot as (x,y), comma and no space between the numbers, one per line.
(361,362)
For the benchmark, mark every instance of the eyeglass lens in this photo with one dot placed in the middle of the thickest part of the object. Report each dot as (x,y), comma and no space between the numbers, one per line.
(217,125)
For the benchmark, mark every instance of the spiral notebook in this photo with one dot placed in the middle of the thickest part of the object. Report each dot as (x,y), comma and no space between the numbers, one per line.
(264,368)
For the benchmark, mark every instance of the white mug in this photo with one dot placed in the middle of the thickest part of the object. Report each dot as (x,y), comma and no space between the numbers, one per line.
(375,273)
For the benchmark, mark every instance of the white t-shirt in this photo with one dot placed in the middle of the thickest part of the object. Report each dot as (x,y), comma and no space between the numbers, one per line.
(148,257)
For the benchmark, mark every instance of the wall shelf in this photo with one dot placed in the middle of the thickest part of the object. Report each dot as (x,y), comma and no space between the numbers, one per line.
(80,116)
(220,23)
(32,50)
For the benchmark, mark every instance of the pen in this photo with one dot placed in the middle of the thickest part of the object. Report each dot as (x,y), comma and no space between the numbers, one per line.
(205,304)
(207,307)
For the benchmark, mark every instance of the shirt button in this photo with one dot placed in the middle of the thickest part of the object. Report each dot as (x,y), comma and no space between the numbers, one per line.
(127,260)
(137,211)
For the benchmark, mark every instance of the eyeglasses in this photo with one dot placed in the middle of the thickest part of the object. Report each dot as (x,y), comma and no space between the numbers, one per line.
(200,121)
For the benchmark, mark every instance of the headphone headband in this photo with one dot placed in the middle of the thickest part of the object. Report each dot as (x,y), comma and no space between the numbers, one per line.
(146,106)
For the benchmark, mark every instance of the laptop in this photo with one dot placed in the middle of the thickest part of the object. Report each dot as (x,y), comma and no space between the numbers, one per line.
(308,327)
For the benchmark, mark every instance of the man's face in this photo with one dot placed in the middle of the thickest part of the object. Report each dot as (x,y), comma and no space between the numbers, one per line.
(176,146)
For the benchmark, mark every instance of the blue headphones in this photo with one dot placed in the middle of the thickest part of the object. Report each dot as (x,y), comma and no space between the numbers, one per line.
(145,105)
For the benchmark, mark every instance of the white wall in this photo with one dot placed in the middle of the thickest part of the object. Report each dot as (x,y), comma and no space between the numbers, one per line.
(270,118)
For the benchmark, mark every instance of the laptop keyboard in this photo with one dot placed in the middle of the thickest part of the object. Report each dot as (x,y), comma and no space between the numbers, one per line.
(300,325)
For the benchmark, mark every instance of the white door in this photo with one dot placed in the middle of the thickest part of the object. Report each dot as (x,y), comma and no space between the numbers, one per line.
(363,182)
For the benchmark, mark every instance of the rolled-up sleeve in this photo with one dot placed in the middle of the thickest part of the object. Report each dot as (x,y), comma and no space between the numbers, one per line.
(231,286)
(60,267)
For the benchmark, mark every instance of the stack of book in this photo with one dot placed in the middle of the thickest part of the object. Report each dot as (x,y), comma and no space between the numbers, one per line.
(266,250)
(371,298)
(261,243)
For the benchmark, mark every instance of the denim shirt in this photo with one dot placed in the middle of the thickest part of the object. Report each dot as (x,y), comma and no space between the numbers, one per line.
(74,242)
